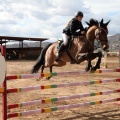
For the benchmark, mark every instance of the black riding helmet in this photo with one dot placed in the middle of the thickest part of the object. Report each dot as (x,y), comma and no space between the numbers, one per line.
(79,13)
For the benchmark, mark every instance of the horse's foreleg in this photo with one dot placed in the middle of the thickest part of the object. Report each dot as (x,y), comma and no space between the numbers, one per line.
(83,57)
(89,65)
(97,65)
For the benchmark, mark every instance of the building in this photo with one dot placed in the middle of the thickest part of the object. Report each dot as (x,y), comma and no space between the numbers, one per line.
(22,50)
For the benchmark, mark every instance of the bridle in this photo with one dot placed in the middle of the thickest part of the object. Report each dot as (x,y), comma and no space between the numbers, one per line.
(98,34)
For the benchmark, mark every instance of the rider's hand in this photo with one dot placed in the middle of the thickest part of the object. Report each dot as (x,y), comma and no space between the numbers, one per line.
(82,32)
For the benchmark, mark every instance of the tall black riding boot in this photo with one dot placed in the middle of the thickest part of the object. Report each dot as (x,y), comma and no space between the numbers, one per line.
(60,52)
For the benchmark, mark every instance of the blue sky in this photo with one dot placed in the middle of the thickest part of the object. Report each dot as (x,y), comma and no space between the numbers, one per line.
(47,18)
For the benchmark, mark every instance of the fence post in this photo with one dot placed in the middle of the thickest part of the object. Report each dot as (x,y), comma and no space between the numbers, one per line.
(4,94)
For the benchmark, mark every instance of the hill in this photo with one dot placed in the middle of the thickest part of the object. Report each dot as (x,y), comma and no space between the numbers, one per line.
(114,42)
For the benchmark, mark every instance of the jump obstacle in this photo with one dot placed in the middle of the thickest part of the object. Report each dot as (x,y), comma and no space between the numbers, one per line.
(5,91)
(45,110)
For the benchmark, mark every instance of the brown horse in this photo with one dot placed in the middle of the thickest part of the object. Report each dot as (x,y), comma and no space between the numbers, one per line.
(81,49)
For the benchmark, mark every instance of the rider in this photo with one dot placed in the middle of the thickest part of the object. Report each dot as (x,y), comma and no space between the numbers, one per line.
(73,28)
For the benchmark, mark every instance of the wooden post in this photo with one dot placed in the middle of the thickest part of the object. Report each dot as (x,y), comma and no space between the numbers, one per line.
(4,94)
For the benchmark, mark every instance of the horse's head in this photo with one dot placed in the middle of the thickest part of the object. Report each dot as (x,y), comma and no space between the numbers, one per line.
(101,34)
(99,31)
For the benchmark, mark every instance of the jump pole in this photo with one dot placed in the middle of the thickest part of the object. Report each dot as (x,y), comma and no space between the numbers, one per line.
(63,85)
(41,75)
(43,101)
(46,110)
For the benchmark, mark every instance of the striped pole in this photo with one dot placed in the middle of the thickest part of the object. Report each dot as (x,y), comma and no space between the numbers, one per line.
(46,110)
(26,76)
(13,90)
(4,86)
(1,90)
(60,99)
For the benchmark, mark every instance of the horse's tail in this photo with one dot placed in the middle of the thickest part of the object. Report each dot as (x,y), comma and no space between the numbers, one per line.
(40,60)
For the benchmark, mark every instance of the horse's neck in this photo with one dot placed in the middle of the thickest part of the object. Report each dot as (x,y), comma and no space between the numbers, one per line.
(90,35)
(78,42)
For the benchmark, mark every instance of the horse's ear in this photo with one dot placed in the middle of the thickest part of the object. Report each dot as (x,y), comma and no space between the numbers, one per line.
(87,23)
(107,22)
(101,22)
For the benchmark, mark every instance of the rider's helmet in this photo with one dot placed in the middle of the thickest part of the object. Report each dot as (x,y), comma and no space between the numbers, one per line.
(79,13)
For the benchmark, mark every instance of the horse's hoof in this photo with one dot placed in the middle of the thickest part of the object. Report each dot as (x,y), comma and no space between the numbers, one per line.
(98,67)
(93,69)
(87,69)
(48,78)
(37,79)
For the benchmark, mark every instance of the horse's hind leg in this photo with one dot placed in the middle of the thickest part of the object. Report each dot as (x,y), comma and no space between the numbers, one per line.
(42,69)
(60,63)
(50,72)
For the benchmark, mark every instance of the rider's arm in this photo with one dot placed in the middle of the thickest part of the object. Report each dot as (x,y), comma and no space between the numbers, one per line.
(73,29)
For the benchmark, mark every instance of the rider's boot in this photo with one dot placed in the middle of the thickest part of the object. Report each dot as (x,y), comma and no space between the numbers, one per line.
(60,52)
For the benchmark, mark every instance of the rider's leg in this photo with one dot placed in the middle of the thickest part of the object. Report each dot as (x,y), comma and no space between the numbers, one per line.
(65,41)
(60,50)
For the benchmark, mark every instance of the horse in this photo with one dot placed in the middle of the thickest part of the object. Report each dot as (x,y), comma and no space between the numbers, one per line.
(81,49)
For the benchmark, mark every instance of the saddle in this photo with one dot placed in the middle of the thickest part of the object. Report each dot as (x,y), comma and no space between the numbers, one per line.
(60,48)
(67,47)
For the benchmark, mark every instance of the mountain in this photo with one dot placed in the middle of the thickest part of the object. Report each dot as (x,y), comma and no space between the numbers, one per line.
(114,42)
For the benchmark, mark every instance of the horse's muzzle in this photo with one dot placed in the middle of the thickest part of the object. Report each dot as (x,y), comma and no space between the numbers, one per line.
(105,47)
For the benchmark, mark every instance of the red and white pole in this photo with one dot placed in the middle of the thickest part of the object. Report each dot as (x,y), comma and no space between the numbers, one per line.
(4,93)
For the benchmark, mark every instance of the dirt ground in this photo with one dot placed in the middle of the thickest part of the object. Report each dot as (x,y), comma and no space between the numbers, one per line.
(108,111)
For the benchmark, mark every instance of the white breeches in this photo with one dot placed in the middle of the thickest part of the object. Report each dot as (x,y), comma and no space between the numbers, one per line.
(65,39)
